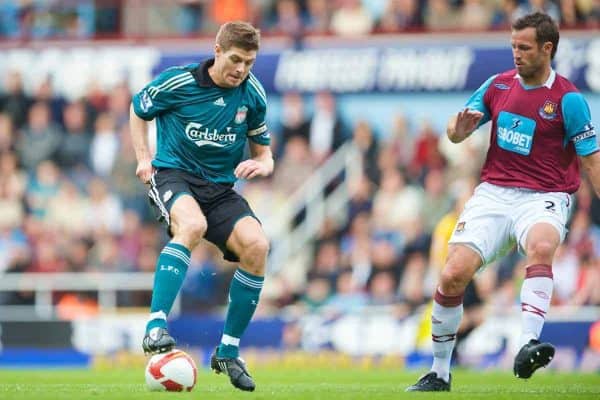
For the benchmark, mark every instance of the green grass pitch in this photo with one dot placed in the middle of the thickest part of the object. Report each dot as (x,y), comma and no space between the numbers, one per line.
(293,384)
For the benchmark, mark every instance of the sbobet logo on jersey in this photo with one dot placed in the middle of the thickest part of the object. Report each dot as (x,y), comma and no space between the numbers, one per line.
(515,132)
(204,136)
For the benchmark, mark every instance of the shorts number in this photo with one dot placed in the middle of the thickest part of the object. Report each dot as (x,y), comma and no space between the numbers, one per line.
(550,206)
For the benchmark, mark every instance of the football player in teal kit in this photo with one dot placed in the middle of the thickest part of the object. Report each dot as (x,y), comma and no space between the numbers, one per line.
(541,130)
(205,116)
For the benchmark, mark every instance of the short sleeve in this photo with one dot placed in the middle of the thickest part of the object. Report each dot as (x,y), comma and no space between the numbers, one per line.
(476,101)
(578,124)
(257,125)
(158,95)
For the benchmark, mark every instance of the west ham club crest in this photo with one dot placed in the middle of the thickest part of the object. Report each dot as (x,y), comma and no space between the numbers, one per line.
(548,110)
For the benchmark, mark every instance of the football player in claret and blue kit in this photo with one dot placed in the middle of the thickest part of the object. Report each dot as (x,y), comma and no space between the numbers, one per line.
(541,132)
(206,114)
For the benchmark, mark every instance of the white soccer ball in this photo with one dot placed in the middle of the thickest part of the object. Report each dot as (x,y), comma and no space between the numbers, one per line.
(174,371)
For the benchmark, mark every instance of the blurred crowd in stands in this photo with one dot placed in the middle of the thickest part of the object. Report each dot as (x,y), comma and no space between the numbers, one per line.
(33,19)
(70,201)
(402,212)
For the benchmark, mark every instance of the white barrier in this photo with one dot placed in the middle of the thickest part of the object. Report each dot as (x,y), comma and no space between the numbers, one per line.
(43,285)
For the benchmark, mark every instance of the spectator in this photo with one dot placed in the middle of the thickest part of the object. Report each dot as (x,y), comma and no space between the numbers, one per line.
(440,15)
(56,103)
(474,15)
(505,14)
(293,119)
(426,153)
(190,16)
(288,19)
(7,133)
(104,145)
(436,199)
(355,246)
(77,255)
(589,12)
(588,283)
(568,14)
(13,181)
(14,250)
(351,19)
(316,294)
(361,197)
(119,101)
(40,138)
(42,187)
(105,214)
(348,296)
(367,144)
(14,101)
(130,242)
(385,254)
(73,152)
(382,289)
(104,254)
(326,133)
(318,16)
(401,15)
(400,140)
(411,288)
(397,204)
(327,262)
(46,255)
(67,210)
(566,272)
(126,184)
(295,166)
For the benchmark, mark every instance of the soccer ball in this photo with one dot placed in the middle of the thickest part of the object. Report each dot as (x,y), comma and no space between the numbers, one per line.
(174,371)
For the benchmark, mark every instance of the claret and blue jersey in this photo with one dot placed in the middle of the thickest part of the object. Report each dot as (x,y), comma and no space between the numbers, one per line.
(537,132)
(201,127)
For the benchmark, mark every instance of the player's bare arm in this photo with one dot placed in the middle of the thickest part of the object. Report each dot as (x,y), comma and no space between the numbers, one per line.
(591,166)
(463,124)
(261,163)
(138,129)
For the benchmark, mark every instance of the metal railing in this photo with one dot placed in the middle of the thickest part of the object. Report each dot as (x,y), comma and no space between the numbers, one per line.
(43,285)
(317,203)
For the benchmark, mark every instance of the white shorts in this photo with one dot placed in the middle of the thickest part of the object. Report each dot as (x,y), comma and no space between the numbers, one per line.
(497,217)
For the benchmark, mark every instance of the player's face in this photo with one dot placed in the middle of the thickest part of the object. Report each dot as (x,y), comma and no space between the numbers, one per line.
(529,58)
(233,65)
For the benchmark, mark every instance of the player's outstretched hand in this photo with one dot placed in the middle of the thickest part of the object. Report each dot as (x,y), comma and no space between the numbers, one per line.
(249,169)
(144,171)
(467,120)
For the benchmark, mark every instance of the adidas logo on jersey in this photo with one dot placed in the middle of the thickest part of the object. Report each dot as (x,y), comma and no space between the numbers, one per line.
(219,102)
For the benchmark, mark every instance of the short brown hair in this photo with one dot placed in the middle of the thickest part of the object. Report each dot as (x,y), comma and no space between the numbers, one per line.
(546,30)
(238,34)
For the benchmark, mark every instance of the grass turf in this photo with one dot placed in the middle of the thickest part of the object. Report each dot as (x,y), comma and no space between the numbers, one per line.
(293,384)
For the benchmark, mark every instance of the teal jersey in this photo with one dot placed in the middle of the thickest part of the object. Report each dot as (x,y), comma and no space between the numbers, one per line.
(202,128)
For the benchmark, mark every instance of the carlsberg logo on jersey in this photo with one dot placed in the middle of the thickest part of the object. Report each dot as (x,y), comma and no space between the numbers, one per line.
(204,136)
(515,132)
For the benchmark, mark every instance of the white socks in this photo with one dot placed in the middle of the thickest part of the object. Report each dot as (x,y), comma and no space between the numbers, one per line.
(536,294)
(445,318)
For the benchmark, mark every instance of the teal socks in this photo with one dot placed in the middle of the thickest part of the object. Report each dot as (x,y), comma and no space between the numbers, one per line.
(171,267)
(243,299)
